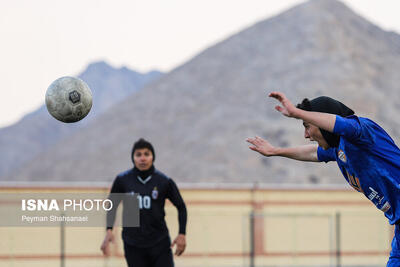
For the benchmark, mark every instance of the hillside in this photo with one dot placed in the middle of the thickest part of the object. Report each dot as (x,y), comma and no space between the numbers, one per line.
(199,114)
(38,131)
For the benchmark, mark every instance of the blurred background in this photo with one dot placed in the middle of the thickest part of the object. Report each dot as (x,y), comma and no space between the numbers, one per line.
(192,78)
(230,225)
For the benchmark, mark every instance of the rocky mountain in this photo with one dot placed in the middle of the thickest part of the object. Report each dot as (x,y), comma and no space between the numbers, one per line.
(199,114)
(38,131)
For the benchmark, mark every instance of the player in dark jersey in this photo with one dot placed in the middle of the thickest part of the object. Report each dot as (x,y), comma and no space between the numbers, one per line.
(148,245)
(366,155)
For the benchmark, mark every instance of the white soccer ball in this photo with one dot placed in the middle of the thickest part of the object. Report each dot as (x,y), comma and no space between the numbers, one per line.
(68,99)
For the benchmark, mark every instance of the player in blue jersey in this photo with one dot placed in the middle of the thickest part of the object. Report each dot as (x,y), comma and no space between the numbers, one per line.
(148,245)
(366,155)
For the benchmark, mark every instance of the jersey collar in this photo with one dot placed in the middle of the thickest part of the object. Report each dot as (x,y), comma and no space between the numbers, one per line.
(144,181)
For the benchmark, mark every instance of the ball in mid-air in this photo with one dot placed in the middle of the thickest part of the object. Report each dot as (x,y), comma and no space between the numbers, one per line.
(68,99)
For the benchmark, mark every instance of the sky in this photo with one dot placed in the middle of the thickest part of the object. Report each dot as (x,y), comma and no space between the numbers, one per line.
(43,40)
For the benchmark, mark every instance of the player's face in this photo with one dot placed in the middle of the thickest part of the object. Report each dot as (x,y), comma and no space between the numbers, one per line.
(313,133)
(143,159)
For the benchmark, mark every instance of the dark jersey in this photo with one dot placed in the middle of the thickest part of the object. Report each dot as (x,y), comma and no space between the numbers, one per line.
(151,192)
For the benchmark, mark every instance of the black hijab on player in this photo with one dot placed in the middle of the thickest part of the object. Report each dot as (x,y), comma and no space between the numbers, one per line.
(140,144)
(327,105)
(153,187)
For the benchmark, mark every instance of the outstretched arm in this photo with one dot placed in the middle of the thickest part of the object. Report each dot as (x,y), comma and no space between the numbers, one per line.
(324,121)
(303,153)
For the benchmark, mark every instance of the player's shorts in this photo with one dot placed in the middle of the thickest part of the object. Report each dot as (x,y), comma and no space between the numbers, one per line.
(394,259)
(160,255)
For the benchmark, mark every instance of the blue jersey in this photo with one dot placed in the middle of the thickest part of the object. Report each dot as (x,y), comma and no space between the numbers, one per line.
(369,160)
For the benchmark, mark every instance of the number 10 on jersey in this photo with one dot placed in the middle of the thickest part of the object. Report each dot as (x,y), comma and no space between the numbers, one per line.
(144,202)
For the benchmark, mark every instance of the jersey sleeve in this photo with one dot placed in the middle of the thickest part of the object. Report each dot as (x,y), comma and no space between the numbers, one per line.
(115,197)
(175,197)
(348,127)
(356,130)
(326,155)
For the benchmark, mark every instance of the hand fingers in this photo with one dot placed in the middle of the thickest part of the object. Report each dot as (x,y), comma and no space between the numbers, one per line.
(250,140)
(104,249)
(276,95)
(105,252)
(272,94)
(179,250)
(173,244)
(279,108)
(253,148)
(254,140)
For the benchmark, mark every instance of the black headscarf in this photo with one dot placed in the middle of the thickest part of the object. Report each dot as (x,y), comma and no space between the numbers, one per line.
(140,144)
(327,105)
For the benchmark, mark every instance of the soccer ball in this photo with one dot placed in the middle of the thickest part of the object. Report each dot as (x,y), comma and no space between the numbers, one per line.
(68,99)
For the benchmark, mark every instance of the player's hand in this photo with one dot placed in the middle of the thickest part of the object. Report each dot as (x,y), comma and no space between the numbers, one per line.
(261,146)
(105,246)
(287,108)
(180,242)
